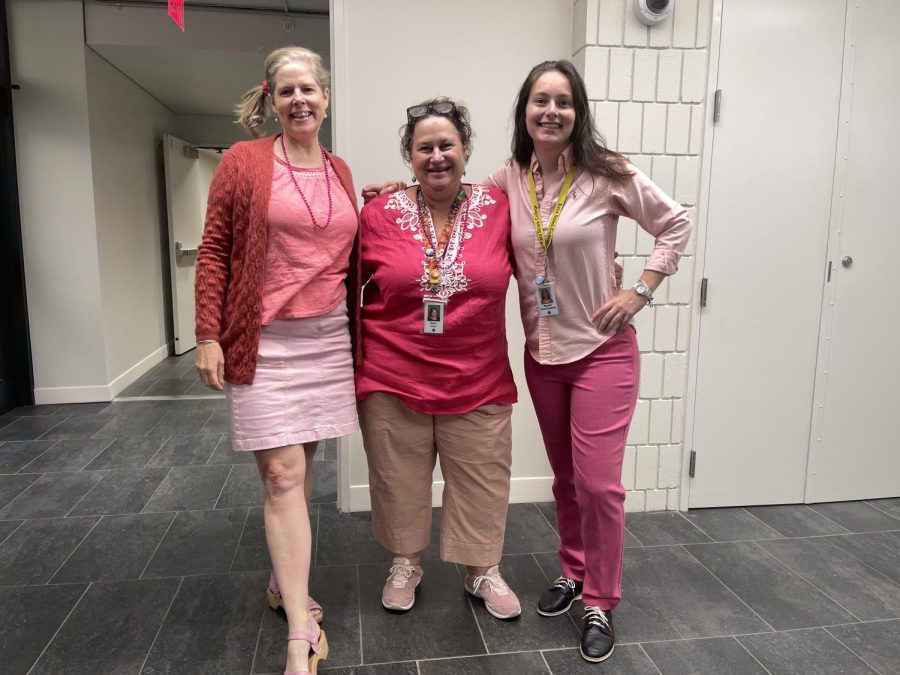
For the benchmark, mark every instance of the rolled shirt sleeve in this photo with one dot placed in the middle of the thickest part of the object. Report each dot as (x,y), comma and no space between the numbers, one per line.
(639,198)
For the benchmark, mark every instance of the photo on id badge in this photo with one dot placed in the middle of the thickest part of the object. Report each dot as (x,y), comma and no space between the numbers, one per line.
(546,299)
(433,316)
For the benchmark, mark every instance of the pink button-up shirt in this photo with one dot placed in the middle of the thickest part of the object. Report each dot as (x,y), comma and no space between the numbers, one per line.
(580,259)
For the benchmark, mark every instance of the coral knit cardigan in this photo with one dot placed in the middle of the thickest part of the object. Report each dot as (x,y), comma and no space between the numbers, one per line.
(231,262)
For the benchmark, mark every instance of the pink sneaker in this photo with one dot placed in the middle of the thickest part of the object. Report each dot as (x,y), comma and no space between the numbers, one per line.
(499,599)
(399,592)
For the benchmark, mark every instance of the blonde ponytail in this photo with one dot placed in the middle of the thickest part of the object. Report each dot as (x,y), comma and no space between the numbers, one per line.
(252,112)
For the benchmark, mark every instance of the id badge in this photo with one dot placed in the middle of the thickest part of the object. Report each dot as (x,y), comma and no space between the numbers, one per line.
(433,315)
(546,299)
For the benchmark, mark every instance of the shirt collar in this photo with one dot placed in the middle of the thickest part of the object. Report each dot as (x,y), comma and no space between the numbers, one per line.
(565,160)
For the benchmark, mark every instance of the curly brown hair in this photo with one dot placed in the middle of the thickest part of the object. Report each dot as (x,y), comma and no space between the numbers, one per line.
(459,118)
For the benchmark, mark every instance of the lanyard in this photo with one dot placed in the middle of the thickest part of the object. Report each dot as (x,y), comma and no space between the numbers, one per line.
(547,239)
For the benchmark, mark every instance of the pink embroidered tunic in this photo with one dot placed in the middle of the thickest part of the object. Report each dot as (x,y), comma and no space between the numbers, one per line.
(467,366)
(306,265)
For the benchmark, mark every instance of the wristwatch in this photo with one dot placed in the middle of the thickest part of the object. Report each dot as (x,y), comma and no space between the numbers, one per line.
(643,289)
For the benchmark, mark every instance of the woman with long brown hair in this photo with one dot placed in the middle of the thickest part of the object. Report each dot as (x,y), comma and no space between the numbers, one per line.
(567,191)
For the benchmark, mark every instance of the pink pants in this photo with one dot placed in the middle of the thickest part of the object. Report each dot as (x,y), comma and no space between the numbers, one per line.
(584,409)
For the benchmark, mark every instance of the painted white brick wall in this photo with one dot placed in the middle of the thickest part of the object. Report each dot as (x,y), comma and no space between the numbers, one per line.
(645,61)
(648,86)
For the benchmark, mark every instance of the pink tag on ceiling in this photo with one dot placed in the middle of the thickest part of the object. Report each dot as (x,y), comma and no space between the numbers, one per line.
(176,11)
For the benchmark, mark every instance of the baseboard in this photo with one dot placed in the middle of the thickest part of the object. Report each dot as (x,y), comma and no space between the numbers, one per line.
(139,369)
(101,392)
(52,395)
(521,490)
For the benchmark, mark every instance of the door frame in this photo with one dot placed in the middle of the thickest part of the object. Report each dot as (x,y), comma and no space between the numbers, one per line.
(833,249)
(12,263)
(339,142)
(700,229)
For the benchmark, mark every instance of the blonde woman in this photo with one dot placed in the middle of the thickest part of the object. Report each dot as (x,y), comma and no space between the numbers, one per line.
(271,313)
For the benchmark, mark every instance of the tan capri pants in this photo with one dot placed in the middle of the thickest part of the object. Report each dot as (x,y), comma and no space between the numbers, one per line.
(475,450)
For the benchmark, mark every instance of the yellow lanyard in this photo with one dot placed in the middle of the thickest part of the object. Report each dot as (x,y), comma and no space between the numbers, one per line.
(547,239)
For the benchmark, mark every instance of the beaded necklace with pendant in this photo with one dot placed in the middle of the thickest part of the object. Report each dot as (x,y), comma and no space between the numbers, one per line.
(297,185)
(435,250)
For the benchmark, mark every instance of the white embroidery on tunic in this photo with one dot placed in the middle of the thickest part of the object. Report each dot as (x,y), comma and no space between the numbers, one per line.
(452,264)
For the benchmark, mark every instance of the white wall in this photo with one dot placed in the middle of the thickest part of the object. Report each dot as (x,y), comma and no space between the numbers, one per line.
(208,130)
(56,197)
(132,232)
(472,51)
(221,130)
(649,87)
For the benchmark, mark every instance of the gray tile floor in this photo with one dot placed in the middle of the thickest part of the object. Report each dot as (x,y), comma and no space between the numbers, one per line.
(131,540)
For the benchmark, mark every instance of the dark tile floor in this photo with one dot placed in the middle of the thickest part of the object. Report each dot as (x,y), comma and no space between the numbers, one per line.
(131,540)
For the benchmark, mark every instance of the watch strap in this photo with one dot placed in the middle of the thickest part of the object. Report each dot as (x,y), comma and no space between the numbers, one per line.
(643,289)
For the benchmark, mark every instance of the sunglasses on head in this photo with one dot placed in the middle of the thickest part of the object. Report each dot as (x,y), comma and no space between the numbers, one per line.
(417,112)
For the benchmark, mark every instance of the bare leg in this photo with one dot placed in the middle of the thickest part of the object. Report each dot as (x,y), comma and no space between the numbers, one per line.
(477,571)
(283,472)
(310,450)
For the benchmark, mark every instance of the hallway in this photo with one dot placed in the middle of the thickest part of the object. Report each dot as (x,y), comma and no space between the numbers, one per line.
(131,540)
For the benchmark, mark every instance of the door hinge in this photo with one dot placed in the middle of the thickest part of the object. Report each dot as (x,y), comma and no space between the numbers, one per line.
(703,284)
(693,464)
(830,266)
(717,106)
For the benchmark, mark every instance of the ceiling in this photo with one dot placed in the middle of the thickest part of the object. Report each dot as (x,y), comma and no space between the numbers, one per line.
(206,81)
(290,6)
(187,81)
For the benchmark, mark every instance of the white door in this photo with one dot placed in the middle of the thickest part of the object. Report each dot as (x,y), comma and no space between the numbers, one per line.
(766,244)
(853,446)
(189,172)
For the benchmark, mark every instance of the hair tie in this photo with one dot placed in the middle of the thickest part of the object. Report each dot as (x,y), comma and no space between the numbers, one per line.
(265,87)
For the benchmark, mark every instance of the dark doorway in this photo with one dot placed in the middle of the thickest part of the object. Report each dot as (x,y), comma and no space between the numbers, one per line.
(16,381)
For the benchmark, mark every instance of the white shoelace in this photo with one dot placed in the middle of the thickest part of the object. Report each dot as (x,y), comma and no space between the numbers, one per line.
(563,582)
(400,574)
(495,582)
(596,617)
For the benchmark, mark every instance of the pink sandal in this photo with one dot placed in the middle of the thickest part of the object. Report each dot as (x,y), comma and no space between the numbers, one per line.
(275,602)
(318,648)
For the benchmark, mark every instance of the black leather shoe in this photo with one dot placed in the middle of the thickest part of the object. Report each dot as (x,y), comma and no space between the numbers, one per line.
(598,637)
(559,597)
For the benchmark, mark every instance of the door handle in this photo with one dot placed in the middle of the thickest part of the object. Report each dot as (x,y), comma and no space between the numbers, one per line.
(180,251)
(846,261)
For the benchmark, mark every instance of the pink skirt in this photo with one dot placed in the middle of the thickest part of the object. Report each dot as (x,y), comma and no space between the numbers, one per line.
(303,388)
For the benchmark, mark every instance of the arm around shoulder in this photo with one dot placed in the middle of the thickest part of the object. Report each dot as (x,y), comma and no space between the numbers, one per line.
(501,177)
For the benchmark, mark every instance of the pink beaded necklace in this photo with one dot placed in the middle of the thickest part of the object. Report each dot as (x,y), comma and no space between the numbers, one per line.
(297,185)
